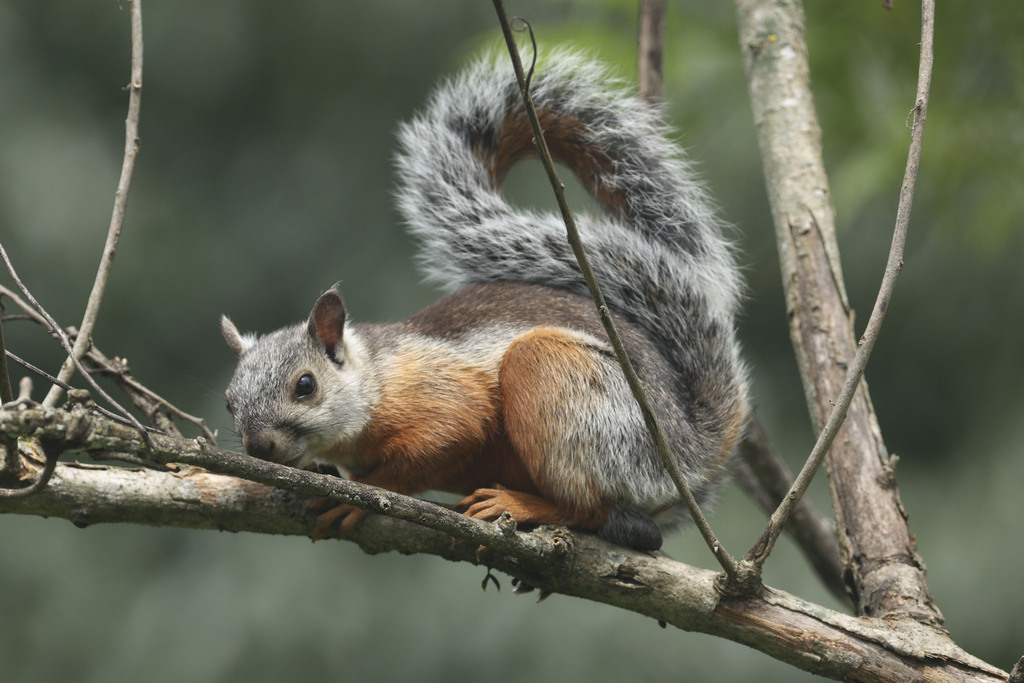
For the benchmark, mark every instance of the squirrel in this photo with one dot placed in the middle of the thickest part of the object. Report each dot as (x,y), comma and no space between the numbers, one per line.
(507,391)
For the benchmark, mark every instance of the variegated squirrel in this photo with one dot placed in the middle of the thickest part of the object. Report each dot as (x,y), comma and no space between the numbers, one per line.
(506,391)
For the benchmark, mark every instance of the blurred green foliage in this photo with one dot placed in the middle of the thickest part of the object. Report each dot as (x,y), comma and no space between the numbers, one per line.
(265,177)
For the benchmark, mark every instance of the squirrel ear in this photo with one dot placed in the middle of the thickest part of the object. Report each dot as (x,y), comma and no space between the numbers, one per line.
(327,322)
(237,342)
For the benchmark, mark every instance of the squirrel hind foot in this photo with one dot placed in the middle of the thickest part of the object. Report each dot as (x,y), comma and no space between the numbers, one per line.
(631,528)
(526,508)
(624,526)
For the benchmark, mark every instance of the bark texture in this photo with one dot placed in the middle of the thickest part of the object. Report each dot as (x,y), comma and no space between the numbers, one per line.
(884,573)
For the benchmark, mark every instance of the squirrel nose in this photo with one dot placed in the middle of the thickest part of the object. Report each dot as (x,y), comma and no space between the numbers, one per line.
(262,445)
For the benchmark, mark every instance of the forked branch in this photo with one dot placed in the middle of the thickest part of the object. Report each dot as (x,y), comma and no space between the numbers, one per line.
(760,552)
(883,570)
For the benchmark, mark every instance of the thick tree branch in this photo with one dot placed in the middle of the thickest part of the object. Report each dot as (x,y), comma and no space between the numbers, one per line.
(760,471)
(886,576)
(810,637)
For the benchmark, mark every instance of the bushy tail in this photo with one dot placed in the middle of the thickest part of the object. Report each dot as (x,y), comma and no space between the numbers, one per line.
(659,252)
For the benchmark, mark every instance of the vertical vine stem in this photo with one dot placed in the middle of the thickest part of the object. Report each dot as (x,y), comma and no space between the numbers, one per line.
(131,148)
(728,563)
(916,120)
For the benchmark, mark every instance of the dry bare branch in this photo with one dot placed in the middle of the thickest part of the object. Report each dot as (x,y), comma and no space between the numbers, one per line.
(651,49)
(783,626)
(767,481)
(885,573)
(131,149)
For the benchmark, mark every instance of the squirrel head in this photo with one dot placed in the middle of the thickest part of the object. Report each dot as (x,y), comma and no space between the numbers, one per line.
(298,394)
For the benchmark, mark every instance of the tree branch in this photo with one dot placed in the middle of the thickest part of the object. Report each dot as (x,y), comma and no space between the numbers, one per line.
(131,149)
(807,636)
(767,480)
(651,49)
(870,336)
(886,576)
(156,408)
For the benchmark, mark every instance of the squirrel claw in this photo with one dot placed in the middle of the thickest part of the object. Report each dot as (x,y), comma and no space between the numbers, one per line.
(485,504)
(345,516)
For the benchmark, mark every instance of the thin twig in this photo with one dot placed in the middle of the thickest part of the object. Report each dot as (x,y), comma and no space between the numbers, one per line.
(131,148)
(67,387)
(25,389)
(762,473)
(6,392)
(651,49)
(144,398)
(65,342)
(141,396)
(727,562)
(759,553)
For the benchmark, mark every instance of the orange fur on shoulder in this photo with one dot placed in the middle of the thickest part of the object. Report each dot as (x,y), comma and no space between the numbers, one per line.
(435,414)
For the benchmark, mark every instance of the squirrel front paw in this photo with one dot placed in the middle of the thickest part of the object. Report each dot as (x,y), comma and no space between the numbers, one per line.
(344,516)
(489,504)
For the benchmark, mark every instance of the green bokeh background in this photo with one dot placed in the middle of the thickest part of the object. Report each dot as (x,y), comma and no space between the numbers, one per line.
(265,177)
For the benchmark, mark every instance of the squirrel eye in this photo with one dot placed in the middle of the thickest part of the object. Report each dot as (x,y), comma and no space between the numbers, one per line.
(305,386)
(230,406)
